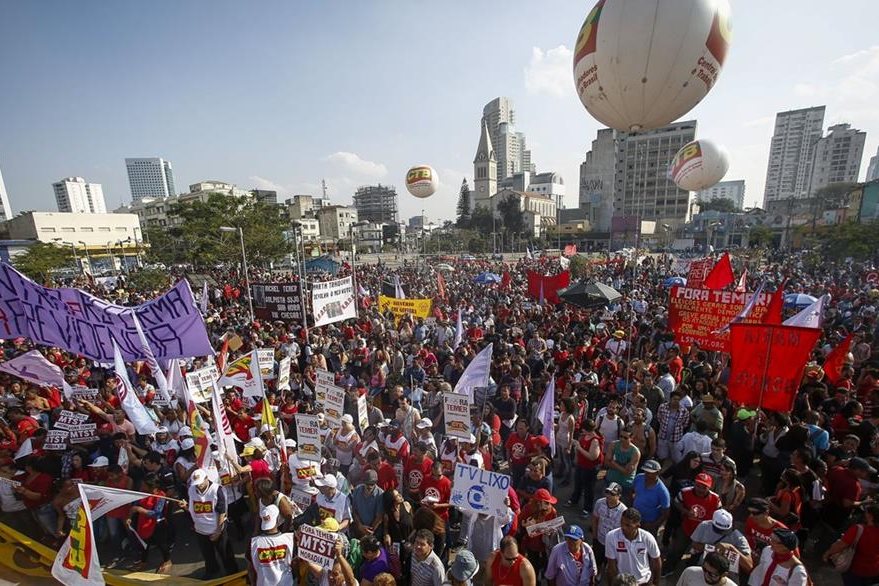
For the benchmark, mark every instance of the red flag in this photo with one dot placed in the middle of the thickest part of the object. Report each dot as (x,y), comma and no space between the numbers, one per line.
(742,287)
(549,284)
(767,363)
(441,285)
(570,250)
(836,360)
(721,275)
(223,356)
(775,311)
(506,279)
(698,270)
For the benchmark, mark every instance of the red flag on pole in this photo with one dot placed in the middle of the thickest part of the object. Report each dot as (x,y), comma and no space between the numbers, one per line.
(775,311)
(836,360)
(721,275)
(441,285)
(767,363)
(549,285)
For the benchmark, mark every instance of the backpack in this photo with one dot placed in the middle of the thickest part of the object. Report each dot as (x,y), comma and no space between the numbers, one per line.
(598,426)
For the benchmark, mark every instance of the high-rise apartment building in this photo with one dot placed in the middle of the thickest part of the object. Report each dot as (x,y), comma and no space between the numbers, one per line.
(597,180)
(510,146)
(5,209)
(791,157)
(732,190)
(150,177)
(76,195)
(837,157)
(376,203)
(872,168)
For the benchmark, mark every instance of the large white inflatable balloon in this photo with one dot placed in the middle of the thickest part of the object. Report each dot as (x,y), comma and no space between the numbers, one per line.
(641,64)
(422,181)
(698,165)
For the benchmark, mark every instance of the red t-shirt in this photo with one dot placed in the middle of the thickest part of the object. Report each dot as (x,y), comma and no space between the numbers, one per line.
(702,507)
(441,489)
(842,485)
(387,477)
(416,472)
(757,536)
(865,564)
(40,484)
(241,426)
(583,461)
(518,449)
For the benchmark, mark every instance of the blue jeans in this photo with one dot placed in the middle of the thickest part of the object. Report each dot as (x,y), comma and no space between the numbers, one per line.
(47,518)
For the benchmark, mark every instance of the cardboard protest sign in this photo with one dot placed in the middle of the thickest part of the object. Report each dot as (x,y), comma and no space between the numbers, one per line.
(316,546)
(699,315)
(277,301)
(401,307)
(308,434)
(67,420)
(362,413)
(83,434)
(334,405)
(456,413)
(201,383)
(301,498)
(266,360)
(56,440)
(284,374)
(480,491)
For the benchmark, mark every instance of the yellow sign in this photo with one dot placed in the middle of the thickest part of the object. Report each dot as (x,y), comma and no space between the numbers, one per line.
(400,307)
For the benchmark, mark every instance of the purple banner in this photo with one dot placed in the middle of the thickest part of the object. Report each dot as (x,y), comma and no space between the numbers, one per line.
(81,323)
(34,368)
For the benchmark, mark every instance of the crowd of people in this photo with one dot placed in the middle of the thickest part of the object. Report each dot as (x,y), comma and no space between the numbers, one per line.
(657,475)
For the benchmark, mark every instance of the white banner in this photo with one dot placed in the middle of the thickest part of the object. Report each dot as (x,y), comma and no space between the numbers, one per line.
(201,383)
(300,497)
(456,412)
(266,358)
(316,546)
(362,413)
(334,405)
(323,380)
(480,491)
(333,301)
(308,434)
(284,374)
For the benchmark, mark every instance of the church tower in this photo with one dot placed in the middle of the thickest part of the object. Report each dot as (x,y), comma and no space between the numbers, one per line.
(484,171)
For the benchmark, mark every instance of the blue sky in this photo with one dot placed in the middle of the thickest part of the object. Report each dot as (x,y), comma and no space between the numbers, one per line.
(286,93)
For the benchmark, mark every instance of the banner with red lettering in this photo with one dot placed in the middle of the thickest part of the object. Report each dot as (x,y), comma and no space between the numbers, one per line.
(699,269)
(698,315)
(766,364)
(551,285)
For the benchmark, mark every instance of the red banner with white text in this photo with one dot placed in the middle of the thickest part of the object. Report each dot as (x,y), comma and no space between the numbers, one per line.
(697,315)
(766,364)
(699,269)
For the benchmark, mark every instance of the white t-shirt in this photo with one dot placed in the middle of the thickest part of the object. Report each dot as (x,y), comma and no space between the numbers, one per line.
(338,507)
(8,502)
(271,556)
(696,577)
(782,576)
(608,519)
(632,556)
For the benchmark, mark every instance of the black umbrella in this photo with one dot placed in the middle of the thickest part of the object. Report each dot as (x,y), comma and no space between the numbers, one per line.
(589,295)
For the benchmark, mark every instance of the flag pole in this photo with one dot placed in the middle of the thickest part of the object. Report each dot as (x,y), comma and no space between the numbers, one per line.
(765,376)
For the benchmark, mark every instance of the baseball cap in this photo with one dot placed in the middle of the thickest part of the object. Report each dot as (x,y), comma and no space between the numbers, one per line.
(346,418)
(162,429)
(722,520)
(704,480)
(198,476)
(651,467)
(289,443)
(100,461)
(464,567)
(269,517)
(541,494)
(574,532)
(330,524)
(187,443)
(424,423)
(744,414)
(613,488)
(787,538)
(184,432)
(256,443)
(861,464)
(370,478)
(328,480)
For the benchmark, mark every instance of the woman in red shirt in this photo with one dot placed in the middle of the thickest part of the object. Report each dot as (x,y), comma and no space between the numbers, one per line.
(865,563)
(152,526)
(539,509)
(36,494)
(787,503)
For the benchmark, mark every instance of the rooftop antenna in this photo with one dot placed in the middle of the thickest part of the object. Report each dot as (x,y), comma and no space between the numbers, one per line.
(323,188)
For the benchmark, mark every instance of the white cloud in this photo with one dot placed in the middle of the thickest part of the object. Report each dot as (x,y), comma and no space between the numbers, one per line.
(263,183)
(549,72)
(353,163)
(762,121)
(849,87)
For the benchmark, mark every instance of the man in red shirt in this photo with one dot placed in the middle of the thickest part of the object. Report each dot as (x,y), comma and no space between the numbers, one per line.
(24,425)
(439,487)
(416,469)
(844,491)
(517,447)
(387,477)
(695,504)
(675,364)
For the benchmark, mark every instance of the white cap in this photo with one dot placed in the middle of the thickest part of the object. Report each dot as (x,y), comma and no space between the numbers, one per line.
(256,443)
(346,418)
(327,480)
(184,432)
(722,520)
(198,476)
(424,423)
(269,517)
(162,429)
(187,443)
(100,461)
(289,443)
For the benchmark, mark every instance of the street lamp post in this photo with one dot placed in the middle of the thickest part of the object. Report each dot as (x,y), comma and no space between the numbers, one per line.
(243,266)
(112,258)
(88,258)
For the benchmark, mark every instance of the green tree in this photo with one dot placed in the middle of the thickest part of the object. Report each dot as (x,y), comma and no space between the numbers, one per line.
(197,238)
(722,204)
(511,214)
(42,259)
(481,220)
(760,235)
(149,280)
(850,239)
(464,205)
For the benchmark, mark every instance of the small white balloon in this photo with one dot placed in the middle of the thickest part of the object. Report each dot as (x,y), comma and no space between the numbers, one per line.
(422,181)
(698,165)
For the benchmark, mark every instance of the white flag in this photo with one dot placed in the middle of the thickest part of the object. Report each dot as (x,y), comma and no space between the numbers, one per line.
(150,359)
(746,311)
(809,317)
(77,563)
(225,437)
(459,331)
(176,380)
(546,412)
(204,299)
(133,408)
(476,375)
(398,288)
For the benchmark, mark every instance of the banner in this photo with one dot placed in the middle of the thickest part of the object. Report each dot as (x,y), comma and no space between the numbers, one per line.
(34,368)
(308,437)
(56,440)
(223,429)
(400,307)
(83,324)
(201,383)
(545,412)
(362,413)
(698,315)
(300,498)
(456,413)
(67,420)
(334,405)
(333,301)
(284,374)
(476,375)
(699,269)
(323,380)
(266,360)
(316,546)
(480,491)
(135,410)
(276,301)
(245,375)
(766,365)
(549,284)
